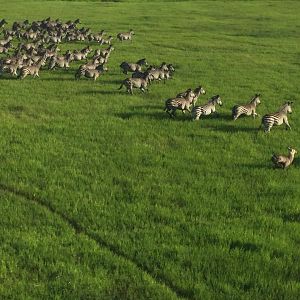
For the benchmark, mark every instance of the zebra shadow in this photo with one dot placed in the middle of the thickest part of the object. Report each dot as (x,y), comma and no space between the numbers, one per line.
(101,92)
(57,79)
(234,128)
(146,106)
(296,161)
(113,81)
(255,166)
(293,217)
(141,115)
(244,246)
(9,78)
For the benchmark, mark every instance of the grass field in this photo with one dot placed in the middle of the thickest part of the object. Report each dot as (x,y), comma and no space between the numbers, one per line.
(103,196)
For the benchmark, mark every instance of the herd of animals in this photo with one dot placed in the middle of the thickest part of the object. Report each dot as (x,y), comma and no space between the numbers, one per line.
(38,46)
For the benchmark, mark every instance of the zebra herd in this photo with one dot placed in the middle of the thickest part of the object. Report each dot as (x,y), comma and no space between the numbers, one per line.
(38,46)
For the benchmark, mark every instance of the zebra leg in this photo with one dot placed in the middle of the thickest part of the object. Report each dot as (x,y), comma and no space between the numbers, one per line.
(287,125)
(267,129)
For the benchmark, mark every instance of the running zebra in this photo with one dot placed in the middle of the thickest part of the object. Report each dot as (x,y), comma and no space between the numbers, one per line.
(33,70)
(124,36)
(208,108)
(247,109)
(182,103)
(90,73)
(139,83)
(277,118)
(198,91)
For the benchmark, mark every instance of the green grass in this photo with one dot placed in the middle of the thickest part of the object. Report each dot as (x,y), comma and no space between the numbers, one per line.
(105,197)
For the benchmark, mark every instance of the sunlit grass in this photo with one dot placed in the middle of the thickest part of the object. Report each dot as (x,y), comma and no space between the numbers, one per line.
(168,208)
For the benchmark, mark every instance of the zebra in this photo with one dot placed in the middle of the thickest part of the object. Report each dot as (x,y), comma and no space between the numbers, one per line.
(5,48)
(281,161)
(128,67)
(90,73)
(247,109)
(198,91)
(12,67)
(33,69)
(106,41)
(161,73)
(124,36)
(6,41)
(138,74)
(140,83)
(182,103)
(61,61)
(107,52)
(206,109)
(2,23)
(277,118)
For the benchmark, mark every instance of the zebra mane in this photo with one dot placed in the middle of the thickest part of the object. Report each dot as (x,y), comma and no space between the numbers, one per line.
(213,99)
(284,106)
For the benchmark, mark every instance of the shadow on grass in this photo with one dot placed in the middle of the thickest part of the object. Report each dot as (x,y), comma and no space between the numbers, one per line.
(293,217)
(101,92)
(296,162)
(114,81)
(234,128)
(16,109)
(256,166)
(57,79)
(147,115)
(9,78)
(244,246)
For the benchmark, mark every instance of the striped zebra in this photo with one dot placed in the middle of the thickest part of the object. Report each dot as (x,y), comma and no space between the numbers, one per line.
(124,36)
(138,83)
(198,91)
(206,109)
(61,61)
(182,103)
(247,109)
(90,72)
(277,118)
(33,70)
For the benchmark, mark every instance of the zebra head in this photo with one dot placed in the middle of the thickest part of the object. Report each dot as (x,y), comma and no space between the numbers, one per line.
(131,32)
(217,100)
(288,107)
(292,151)
(142,62)
(256,99)
(200,90)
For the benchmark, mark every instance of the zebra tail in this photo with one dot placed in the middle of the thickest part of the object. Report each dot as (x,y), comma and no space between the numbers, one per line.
(274,158)
(121,86)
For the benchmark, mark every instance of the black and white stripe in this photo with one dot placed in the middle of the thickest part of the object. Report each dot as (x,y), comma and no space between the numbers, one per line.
(277,118)
(246,109)
(33,70)
(207,109)
(182,103)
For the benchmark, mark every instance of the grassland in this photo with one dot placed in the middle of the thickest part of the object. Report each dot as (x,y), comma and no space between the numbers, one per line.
(105,197)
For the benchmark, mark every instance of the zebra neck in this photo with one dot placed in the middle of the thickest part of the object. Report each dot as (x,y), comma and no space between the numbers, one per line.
(291,157)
